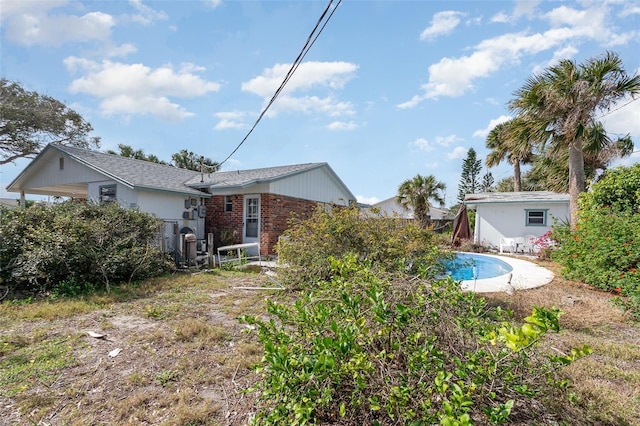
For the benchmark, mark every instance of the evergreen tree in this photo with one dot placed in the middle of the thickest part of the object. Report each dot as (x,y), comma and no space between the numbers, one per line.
(470,177)
(487,182)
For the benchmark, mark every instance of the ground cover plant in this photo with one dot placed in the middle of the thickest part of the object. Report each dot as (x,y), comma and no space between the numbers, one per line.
(364,345)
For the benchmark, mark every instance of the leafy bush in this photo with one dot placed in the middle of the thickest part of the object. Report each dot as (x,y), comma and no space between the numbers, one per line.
(604,248)
(374,338)
(71,246)
(386,243)
(359,349)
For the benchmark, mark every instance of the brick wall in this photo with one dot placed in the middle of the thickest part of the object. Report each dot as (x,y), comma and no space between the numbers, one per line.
(275,212)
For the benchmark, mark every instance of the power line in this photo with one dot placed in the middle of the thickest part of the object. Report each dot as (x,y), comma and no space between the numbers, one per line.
(313,36)
(614,110)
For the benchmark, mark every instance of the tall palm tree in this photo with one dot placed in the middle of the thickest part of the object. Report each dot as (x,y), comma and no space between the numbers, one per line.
(418,192)
(565,100)
(510,141)
(550,171)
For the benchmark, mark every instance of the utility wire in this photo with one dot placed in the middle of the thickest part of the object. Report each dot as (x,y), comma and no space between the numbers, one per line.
(294,66)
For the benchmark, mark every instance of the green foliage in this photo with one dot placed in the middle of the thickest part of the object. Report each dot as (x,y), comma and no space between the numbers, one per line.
(470,176)
(30,121)
(387,243)
(362,349)
(604,248)
(71,247)
(618,189)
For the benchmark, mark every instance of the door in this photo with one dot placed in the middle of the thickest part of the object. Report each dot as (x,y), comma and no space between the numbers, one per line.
(251,219)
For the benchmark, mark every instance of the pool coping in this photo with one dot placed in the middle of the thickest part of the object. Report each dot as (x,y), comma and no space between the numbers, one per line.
(525,275)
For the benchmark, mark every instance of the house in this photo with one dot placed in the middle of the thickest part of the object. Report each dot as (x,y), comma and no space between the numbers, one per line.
(514,215)
(392,207)
(235,206)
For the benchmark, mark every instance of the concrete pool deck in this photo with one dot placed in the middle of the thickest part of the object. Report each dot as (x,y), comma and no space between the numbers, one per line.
(525,275)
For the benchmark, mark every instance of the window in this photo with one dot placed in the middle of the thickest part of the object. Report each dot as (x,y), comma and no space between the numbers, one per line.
(107,193)
(228,204)
(536,217)
(61,163)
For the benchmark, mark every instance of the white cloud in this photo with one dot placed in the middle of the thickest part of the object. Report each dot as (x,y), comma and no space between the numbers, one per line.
(624,118)
(214,3)
(453,77)
(442,23)
(457,153)
(138,89)
(342,125)
(34,27)
(423,145)
(146,15)
(309,76)
(501,18)
(482,133)
(367,200)
(230,120)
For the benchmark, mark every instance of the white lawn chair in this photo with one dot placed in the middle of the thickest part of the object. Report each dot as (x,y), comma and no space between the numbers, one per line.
(530,244)
(507,243)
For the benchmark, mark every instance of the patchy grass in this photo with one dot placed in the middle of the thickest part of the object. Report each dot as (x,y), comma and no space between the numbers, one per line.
(605,385)
(185,360)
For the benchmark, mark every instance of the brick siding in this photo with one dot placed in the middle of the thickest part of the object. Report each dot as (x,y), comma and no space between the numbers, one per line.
(275,212)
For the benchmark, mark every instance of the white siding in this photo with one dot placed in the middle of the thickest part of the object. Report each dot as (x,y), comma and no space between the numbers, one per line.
(497,220)
(316,185)
(50,173)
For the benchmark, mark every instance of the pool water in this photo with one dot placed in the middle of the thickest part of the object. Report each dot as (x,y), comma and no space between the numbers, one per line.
(470,266)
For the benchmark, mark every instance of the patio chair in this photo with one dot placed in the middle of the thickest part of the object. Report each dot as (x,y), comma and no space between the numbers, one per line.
(507,243)
(530,244)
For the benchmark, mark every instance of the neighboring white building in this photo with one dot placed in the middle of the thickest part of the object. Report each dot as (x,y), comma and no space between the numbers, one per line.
(514,215)
(392,207)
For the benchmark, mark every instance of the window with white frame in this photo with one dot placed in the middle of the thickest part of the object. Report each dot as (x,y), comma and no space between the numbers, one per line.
(536,217)
(228,204)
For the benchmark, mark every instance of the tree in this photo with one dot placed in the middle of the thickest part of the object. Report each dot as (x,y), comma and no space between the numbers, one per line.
(188,160)
(138,154)
(29,121)
(487,182)
(470,178)
(417,194)
(562,103)
(510,141)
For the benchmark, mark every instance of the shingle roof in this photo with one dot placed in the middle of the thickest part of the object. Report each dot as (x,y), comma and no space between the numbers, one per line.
(134,173)
(243,178)
(516,197)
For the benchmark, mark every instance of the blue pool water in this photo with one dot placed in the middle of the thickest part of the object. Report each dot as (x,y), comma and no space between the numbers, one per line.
(470,266)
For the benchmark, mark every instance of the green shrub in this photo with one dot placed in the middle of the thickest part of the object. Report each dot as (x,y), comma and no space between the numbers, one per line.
(72,246)
(386,243)
(604,248)
(361,349)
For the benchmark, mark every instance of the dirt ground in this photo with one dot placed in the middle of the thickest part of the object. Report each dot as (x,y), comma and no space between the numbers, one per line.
(174,353)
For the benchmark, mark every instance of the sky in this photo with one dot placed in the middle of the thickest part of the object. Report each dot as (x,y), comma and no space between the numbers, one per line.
(389,89)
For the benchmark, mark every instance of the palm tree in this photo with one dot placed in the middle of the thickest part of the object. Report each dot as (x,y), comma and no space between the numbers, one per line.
(550,171)
(564,101)
(510,141)
(417,194)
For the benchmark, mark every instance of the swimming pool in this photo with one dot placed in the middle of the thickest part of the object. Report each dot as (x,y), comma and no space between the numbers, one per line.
(473,266)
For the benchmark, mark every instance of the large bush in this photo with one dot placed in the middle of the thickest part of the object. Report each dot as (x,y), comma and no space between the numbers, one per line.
(72,244)
(387,243)
(604,248)
(375,338)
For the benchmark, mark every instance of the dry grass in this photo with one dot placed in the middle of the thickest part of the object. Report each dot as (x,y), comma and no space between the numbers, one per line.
(606,384)
(185,359)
